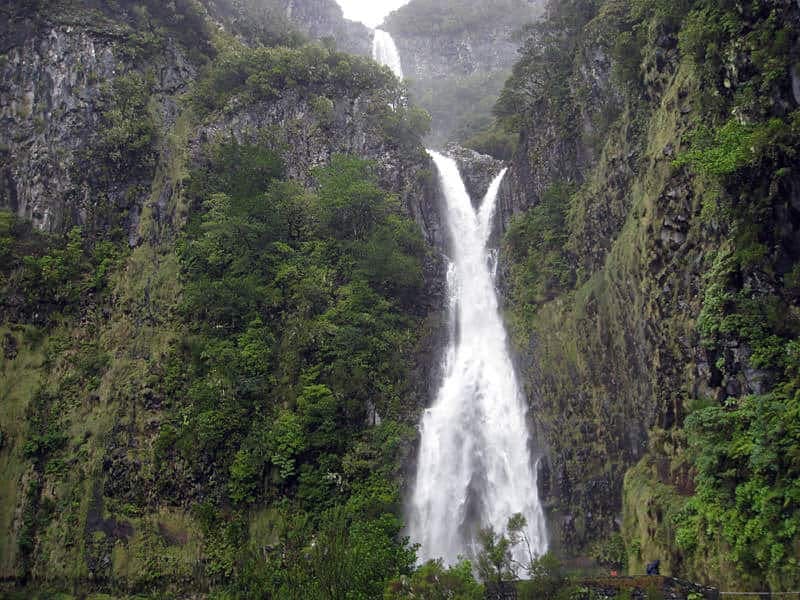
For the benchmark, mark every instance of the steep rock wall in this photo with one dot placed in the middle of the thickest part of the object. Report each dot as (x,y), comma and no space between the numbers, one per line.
(53,91)
(57,89)
(610,308)
(257,20)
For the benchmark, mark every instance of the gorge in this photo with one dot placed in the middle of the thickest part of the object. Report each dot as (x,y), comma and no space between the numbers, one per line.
(258,342)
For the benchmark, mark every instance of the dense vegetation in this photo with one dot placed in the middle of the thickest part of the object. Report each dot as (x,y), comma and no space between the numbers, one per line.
(722,478)
(223,399)
(301,308)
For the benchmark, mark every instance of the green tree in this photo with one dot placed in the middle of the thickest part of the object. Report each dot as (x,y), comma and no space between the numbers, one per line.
(354,558)
(433,582)
(495,561)
(351,203)
(287,441)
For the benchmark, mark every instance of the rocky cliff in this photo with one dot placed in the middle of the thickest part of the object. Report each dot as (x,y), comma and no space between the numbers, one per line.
(70,81)
(257,20)
(57,95)
(653,234)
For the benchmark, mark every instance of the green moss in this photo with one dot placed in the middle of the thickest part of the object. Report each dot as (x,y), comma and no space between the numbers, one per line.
(163,553)
(652,512)
(20,380)
(732,146)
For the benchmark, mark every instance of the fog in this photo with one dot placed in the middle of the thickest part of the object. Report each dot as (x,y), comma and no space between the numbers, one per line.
(370,12)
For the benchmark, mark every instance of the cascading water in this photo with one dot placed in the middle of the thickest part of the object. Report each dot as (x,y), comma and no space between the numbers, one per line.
(384,51)
(474,467)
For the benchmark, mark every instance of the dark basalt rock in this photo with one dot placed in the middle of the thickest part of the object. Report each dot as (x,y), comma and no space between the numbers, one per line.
(477,170)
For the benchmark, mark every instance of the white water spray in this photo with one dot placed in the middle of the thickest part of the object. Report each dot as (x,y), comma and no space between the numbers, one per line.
(474,467)
(384,52)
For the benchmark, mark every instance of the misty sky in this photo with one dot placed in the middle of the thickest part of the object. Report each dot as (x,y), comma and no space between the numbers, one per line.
(369,12)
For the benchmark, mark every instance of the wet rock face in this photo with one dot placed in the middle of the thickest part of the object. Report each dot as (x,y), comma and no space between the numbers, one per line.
(52,83)
(323,18)
(609,367)
(252,20)
(462,54)
(477,170)
(51,87)
(56,73)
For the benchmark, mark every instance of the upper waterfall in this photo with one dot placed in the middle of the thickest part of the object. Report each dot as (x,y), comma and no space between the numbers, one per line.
(474,468)
(384,51)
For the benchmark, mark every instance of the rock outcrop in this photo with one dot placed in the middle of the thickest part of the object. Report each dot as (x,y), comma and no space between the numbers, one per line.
(56,84)
(53,88)
(259,20)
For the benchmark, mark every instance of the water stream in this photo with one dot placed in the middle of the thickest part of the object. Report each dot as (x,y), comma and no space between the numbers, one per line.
(474,466)
(384,51)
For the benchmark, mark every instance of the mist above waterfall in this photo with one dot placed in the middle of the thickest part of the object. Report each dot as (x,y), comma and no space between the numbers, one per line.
(370,13)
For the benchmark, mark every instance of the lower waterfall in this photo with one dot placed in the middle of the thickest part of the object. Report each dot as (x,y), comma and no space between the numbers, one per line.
(474,467)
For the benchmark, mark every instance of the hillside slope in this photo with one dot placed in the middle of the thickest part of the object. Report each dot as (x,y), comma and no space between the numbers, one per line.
(216,306)
(651,262)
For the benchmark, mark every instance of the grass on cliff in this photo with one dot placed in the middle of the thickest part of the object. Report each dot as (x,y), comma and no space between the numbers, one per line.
(20,378)
(722,283)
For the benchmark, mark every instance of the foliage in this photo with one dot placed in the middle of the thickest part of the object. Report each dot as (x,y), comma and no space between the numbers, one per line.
(733,146)
(535,245)
(540,80)
(128,132)
(712,79)
(546,581)
(747,481)
(302,307)
(744,448)
(293,315)
(432,581)
(493,141)
(495,563)
(717,36)
(265,73)
(45,274)
(611,552)
(352,557)
(182,20)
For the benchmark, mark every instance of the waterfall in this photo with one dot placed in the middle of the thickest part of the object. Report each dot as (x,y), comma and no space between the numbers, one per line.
(474,466)
(384,51)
